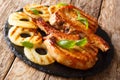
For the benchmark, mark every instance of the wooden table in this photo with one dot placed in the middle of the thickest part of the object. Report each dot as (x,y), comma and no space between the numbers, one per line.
(106,11)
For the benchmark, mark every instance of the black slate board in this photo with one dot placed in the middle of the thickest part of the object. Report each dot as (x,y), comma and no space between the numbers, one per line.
(104,59)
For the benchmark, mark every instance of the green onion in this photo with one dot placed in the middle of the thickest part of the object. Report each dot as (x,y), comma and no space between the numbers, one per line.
(36,12)
(67,44)
(27,44)
(61,4)
(82,42)
(81,19)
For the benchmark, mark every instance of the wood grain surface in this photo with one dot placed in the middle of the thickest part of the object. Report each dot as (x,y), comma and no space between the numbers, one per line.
(106,11)
(109,21)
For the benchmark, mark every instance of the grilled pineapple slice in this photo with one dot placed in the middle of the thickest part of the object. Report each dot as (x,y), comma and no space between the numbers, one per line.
(38,58)
(36,11)
(22,20)
(15,35)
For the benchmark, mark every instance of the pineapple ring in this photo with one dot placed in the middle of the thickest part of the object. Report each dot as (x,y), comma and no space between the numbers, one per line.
(22,20)
(15,35)
(43,11)
(35,57)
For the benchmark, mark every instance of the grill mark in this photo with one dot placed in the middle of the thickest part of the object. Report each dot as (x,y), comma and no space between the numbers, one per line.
(18,34)
(41,59)
(17,37)
(83,58)
(13,32)
(83,55)
(38,38)
(94,48)
(48,59)
(90,54)
(31,38)
(22,29)
(34,59)
(91,57)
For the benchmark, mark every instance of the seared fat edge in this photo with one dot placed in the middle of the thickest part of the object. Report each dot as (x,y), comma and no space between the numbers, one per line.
(82,58)
(65,18)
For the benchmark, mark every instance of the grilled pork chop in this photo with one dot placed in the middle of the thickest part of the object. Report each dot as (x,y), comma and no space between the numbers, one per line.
(81,58)
(65,19)
(68,14)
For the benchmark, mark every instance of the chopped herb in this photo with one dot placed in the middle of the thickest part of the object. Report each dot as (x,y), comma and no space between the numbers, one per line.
(27,44)
(81,42)
(81,19)
(36,12)
(61,4)
(69,44)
